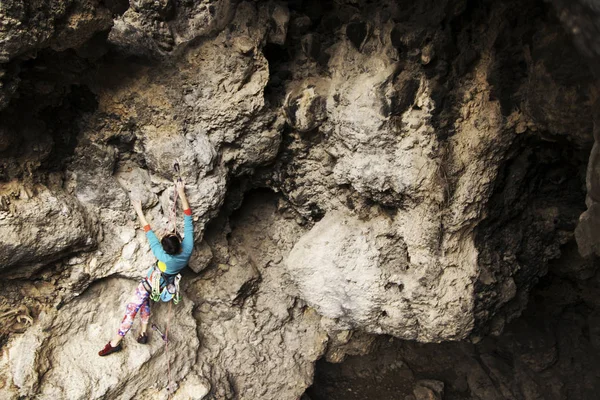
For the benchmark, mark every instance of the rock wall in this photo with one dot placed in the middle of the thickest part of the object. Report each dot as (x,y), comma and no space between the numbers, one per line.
(355,169)
(549,352)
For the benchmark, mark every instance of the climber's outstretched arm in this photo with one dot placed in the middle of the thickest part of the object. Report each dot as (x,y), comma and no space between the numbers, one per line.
(155,245)
(137,206)
(187,244)
(181,192)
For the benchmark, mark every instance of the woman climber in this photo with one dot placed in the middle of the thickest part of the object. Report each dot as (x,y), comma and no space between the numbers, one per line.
(173,255)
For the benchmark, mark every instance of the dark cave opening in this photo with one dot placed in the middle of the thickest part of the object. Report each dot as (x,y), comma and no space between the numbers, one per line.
(277,56)
(537,200)
(62,123)
(252,196)
(48,111)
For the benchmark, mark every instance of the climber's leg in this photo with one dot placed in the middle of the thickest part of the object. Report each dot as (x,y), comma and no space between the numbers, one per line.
(145,316)
(139,299)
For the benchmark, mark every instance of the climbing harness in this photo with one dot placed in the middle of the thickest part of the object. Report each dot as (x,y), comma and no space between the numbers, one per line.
(162,287)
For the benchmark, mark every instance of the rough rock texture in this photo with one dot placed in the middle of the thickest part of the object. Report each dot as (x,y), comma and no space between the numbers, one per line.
(59,339)
(420,130)
(26,238)
(28,26)
(354,168)
(582,19)
(550,352)
(376,299)
(251,324)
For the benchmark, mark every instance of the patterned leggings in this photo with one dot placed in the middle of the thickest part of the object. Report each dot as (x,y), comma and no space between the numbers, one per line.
(139,300)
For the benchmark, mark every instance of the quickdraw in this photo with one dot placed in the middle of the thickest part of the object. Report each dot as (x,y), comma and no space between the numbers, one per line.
(157,329)
(162,287)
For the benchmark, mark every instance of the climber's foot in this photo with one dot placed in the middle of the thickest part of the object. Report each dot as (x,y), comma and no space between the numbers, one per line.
(109,349)
(143,338)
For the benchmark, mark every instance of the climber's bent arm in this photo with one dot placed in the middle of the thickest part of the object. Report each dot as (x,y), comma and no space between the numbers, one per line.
(155,245)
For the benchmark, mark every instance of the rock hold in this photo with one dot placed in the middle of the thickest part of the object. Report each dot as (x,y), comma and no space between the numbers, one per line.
(305,111)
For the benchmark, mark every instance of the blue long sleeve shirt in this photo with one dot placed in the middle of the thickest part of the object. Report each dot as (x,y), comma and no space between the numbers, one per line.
(175,262)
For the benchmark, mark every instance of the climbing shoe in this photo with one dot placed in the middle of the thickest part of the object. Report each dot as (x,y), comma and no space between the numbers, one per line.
(108,349)
(143,338)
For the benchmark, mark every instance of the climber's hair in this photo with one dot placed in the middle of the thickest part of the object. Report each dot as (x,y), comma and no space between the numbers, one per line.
(171,244)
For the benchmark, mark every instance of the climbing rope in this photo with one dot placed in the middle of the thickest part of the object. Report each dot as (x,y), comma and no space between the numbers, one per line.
(173,223)
(170,384)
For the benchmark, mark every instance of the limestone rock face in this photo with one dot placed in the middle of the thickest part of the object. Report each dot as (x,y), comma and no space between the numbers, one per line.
(41,225)
(61,24)
(551,339)
(60,339)
(155,28)
(251,322)
(32,25)
(354,169)
(376,287)
(398,141)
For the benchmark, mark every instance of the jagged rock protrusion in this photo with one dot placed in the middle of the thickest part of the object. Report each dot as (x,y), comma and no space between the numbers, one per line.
(305,111)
